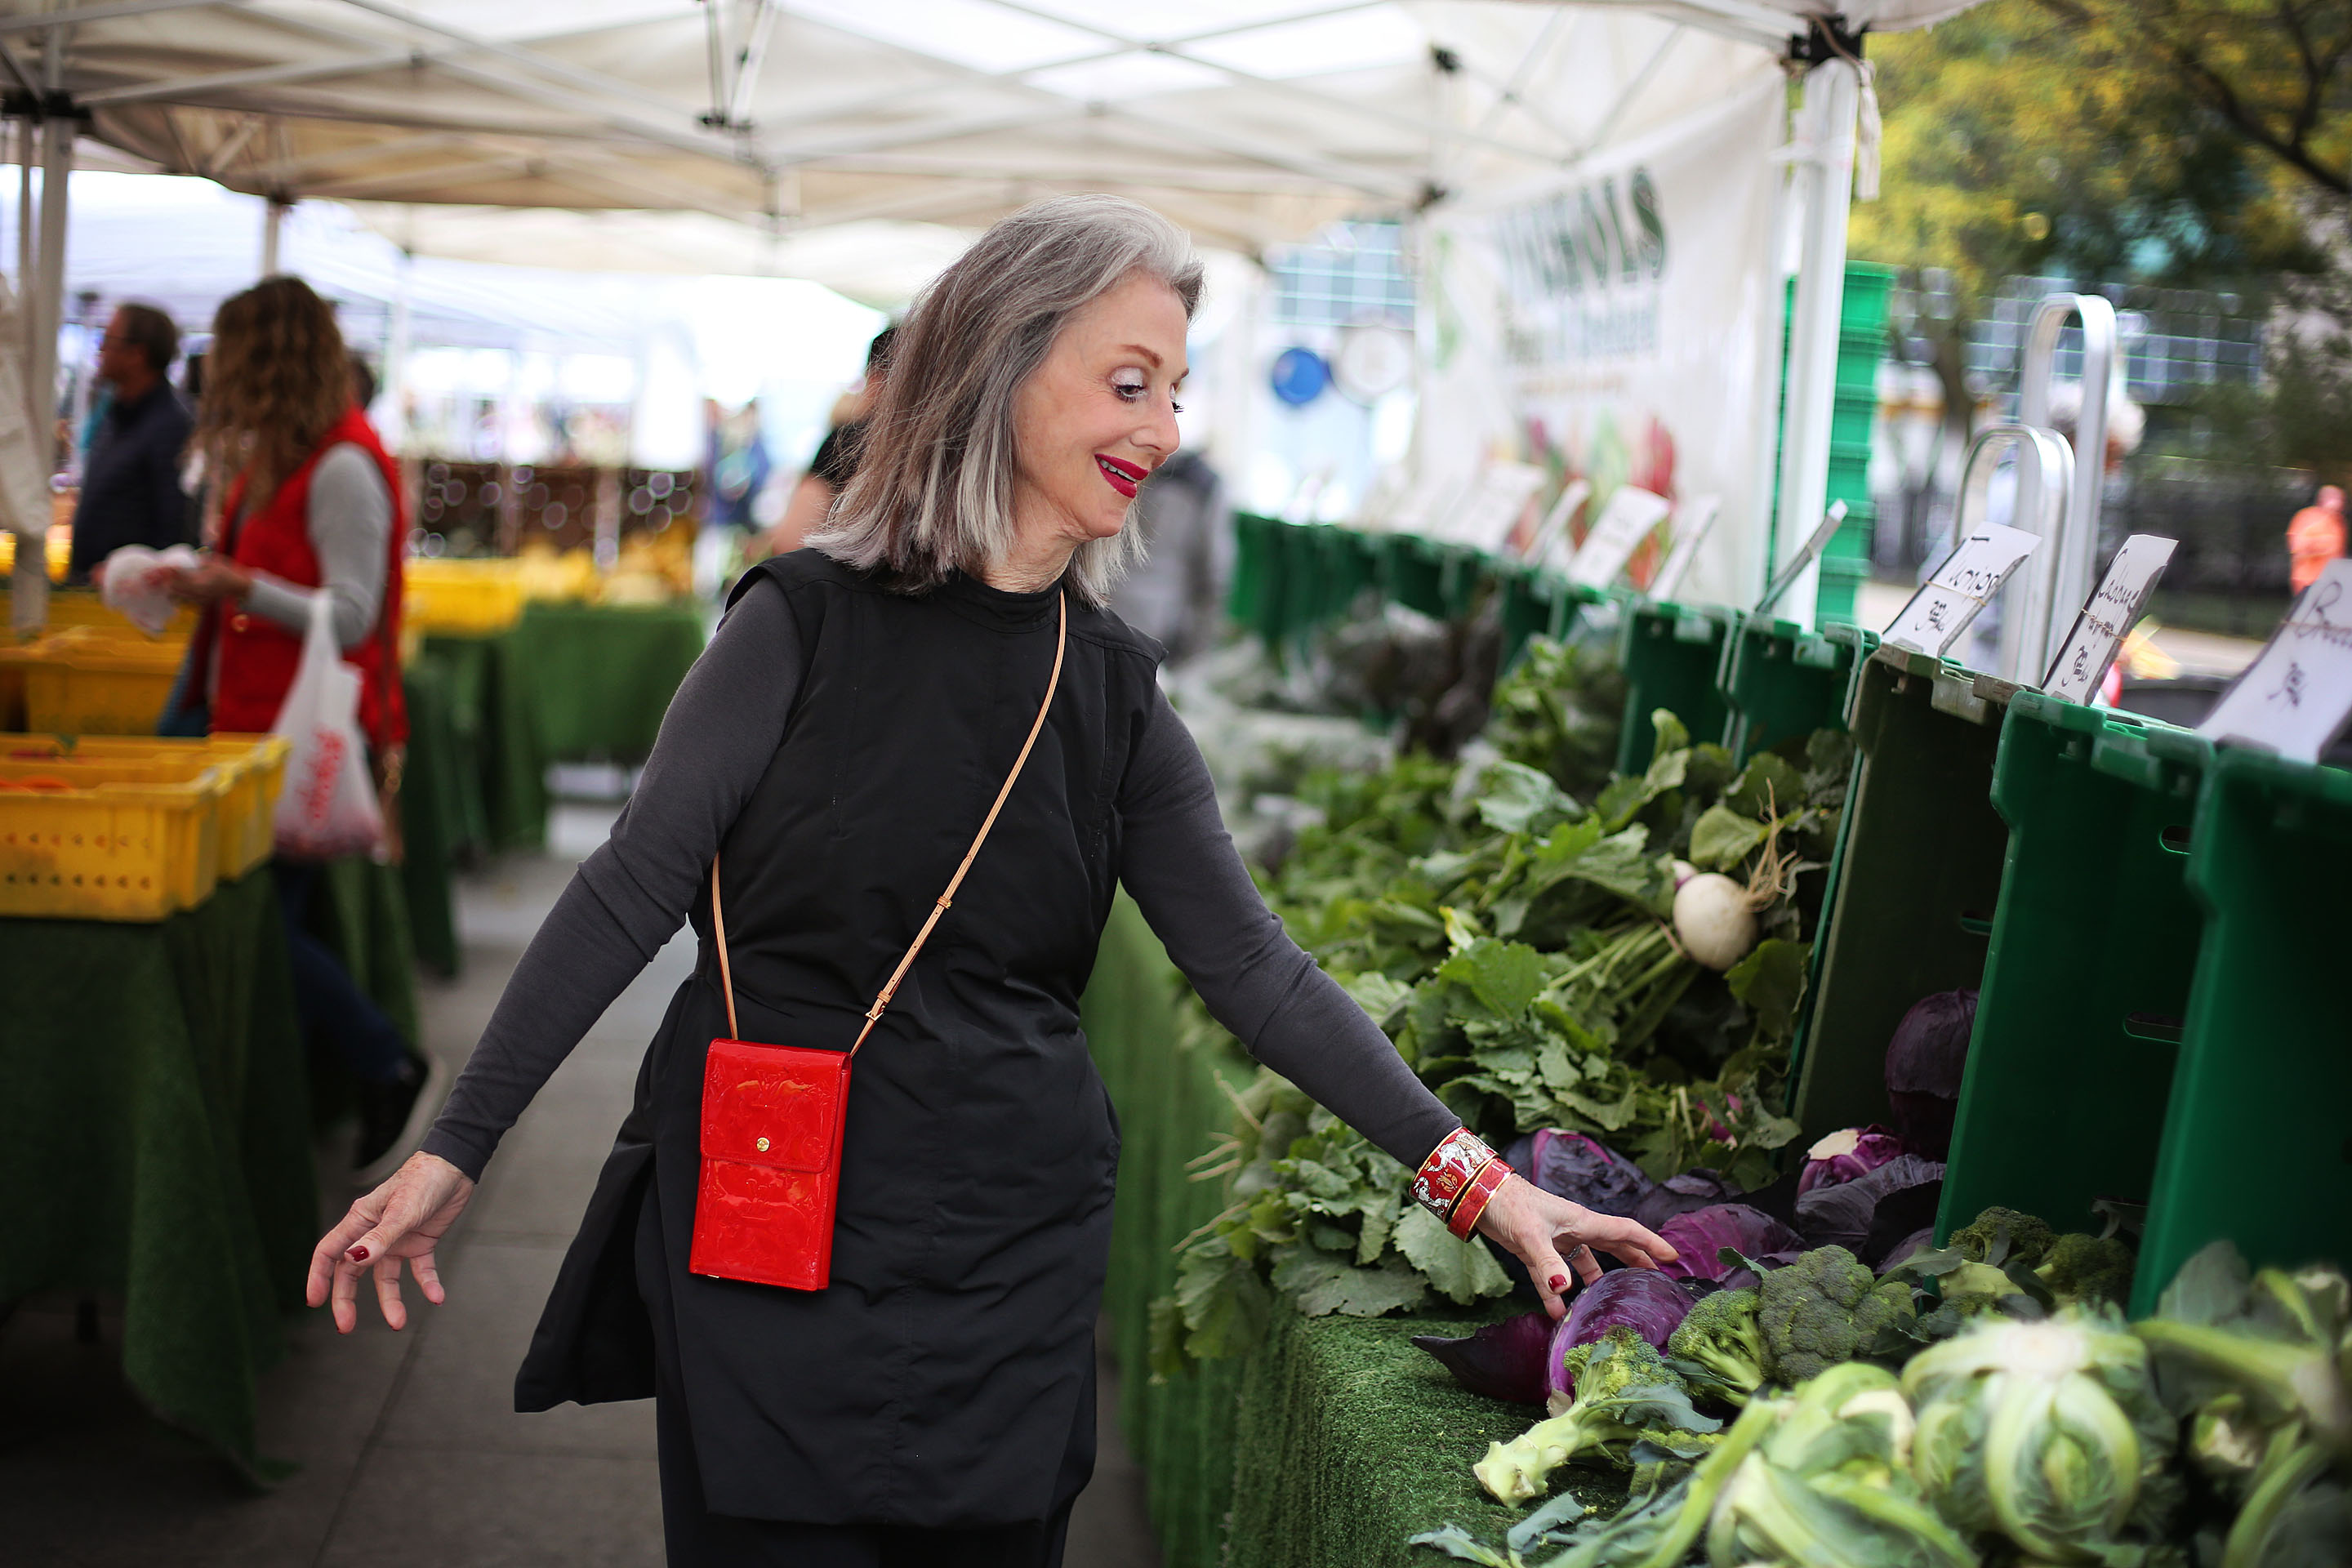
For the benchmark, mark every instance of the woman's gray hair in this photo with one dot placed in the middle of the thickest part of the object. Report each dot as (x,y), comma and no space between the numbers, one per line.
(933,491)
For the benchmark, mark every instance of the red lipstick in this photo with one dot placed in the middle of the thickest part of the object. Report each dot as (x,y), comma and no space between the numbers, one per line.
(1124,478)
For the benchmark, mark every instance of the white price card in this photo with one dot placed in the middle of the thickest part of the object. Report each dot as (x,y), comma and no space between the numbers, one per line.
(1550,547)
(1690,530)
(2108,619)
(2296,695)
(1624,522)
(1485,518)
(1964,584)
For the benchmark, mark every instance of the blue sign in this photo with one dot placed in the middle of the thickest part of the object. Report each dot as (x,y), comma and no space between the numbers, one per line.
(1300,376)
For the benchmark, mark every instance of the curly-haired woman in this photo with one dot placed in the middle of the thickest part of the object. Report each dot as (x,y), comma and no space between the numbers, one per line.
(309,500)
(934,684)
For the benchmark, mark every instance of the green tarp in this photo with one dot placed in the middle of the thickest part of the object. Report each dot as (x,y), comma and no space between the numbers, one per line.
(155,1142)
(598,677)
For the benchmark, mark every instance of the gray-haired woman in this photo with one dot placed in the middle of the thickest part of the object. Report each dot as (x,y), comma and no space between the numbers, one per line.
(837,750)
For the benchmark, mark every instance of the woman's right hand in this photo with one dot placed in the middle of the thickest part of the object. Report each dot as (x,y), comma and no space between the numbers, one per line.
(404,1219)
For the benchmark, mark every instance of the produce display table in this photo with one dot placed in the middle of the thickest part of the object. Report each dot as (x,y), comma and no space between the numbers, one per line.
(155,1142)
(1336,1441)
(429,792)
(495,771)
(598,677)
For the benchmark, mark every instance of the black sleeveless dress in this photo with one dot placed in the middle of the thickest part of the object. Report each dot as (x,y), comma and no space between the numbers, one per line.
(944,1379)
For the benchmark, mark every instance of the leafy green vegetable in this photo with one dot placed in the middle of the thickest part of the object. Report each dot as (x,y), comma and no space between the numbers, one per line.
(1512,943)
(2259,1371)
(1719,1347)
(2046,1435)
(1823,1308)
(1624,1394)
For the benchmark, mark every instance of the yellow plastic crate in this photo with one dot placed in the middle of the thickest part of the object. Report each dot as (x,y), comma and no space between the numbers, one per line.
(70,608)
(464,598)
(123,851)
(84,681)
(253,768)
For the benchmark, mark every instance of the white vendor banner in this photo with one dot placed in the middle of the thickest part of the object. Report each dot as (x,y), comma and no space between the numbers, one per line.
(1615,327)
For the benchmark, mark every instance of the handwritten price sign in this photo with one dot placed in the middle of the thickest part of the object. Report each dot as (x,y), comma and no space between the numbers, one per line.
(1964,584)
(2100,629)
(2297,694)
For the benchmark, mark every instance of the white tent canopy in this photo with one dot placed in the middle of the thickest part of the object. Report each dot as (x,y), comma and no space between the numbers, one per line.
(1249,121)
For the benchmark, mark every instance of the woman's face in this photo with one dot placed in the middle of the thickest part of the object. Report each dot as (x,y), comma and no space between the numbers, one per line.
(1098,415)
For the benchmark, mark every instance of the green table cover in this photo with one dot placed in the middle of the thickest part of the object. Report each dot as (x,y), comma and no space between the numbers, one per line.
(496,771)
(1334,1443)
(429,792)
(154,1143)
(600,677)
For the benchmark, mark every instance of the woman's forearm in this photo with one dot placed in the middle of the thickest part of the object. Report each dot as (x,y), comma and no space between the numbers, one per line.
(349,519)
(1180,865)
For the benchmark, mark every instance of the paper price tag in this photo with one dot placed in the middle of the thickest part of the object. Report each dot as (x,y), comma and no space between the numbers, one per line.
(2297,693)
(1624,522)
(1964,584)
(1486,518)
(1690,531)
(2108,619)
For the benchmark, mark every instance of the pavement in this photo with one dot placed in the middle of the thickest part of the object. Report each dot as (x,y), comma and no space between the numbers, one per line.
(409,1449)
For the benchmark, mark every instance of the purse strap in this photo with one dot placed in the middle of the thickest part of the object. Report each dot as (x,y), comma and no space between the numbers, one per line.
(939,906)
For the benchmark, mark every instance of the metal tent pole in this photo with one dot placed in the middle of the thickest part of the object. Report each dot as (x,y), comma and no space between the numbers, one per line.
(1825,177)
(273,220)
(49,287)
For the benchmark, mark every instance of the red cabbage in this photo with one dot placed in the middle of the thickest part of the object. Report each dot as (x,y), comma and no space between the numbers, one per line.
(1924,1063)
(1501,1360)
(1697,1189)
(1917,1241)
(1847,1154)
(1571,1166)
(1744,1280)
(1846,1215)
(1698,1236)
(1646,1300)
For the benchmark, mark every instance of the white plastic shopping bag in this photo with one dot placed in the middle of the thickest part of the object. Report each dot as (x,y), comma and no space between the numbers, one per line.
(137,581)
(327,806)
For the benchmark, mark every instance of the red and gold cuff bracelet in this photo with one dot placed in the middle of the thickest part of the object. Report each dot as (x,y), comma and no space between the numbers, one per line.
(1458,1179)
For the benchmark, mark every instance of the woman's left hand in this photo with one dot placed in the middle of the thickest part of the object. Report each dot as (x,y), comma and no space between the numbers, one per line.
(211,579)
(1542,1230)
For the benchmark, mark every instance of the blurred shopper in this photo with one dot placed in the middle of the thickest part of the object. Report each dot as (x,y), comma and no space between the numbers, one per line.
(311,501)
(130,482)
(835,462)
(2316,536)
(863,703)
(1176,596)
(738,468)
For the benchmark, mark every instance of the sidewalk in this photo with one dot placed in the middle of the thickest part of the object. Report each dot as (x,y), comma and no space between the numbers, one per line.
(409,1447)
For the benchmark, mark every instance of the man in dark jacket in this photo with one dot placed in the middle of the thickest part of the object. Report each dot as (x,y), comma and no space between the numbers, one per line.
(130,490)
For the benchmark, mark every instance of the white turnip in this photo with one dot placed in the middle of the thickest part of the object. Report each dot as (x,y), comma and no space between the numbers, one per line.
(1713,921)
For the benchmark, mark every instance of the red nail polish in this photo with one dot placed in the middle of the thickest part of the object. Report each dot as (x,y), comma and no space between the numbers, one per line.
(359,1254)
(1560,1281)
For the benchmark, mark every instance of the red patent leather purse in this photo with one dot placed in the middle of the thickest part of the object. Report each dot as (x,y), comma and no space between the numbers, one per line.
(773,1116)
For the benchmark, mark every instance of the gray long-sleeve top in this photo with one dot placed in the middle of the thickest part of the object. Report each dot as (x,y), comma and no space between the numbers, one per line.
(349,516)
(722,731)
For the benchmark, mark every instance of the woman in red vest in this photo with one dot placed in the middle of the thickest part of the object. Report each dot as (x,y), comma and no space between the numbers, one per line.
(309,500)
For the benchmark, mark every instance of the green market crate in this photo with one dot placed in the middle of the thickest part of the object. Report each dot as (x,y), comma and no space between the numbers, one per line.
(1852,416)
(1911,897)
(1252,596)
(2087,974)
(1670,654)
(1539,602)
(2258,1136)
(1439,580)
(1782,682)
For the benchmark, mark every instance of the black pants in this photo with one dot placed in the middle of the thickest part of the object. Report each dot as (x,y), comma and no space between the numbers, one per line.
(694,1537)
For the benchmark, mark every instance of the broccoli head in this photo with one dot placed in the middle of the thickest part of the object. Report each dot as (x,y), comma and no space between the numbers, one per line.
(1719,1338)
(2087,1268)
(1823,1308)
(1624,1394)
(2002,1236)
